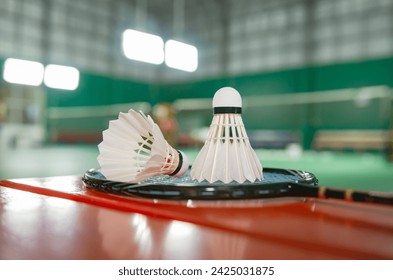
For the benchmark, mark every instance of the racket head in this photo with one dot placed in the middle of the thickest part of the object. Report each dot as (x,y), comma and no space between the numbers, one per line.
(277,183)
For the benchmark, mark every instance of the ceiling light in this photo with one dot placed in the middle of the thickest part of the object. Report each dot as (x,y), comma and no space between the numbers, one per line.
(181,56)
(143,46)
(61,77)
(25,72)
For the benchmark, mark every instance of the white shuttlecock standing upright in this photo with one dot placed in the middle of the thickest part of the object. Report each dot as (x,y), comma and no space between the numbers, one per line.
(227,154)
(134,149)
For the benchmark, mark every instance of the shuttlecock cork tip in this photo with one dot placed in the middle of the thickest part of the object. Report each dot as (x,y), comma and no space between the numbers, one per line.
(227,100)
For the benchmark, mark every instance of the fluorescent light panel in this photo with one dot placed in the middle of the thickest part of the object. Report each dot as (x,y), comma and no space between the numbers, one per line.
(61,77)
(143,47)
(181,56)
(25,72)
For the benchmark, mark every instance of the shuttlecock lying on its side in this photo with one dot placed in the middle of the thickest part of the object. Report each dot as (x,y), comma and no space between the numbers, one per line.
(227,154)
(134,149)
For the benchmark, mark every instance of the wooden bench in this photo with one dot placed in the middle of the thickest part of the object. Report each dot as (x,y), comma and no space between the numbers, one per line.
(351,139)
(77,137)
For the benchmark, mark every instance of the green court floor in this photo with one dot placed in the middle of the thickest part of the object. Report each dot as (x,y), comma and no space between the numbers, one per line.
(364,171)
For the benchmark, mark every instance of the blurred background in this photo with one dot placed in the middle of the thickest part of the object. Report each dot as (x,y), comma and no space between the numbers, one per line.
(316,79)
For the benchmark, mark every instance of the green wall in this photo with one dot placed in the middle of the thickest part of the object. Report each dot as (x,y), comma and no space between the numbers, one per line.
(100,90)
(96,90)
(314,78)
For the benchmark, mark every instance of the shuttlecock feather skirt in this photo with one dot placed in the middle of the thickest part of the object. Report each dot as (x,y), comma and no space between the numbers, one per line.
(134,149)
(227,154)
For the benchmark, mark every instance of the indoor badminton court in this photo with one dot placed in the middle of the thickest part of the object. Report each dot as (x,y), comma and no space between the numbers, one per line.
(315,88)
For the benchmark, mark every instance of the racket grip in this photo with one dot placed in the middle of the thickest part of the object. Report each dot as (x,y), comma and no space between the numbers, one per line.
(372,197)
(356,196)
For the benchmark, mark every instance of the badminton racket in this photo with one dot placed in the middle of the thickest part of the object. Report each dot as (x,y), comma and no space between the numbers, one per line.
(277,183)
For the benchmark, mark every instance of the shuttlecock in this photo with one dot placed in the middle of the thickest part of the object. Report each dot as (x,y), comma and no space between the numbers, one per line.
(227,154)
(134,149)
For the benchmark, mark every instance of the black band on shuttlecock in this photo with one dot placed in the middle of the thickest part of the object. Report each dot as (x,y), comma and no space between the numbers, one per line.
(227,110)
(179,165)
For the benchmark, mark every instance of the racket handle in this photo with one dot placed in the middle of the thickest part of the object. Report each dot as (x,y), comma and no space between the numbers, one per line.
(357,196)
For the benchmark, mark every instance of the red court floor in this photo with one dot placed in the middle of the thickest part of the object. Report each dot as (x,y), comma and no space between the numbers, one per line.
(57,218)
